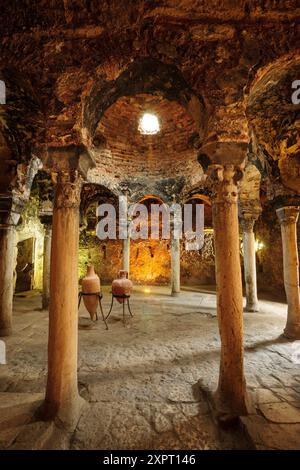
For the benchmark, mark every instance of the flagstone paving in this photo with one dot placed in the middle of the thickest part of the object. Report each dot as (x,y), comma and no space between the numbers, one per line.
(143,382)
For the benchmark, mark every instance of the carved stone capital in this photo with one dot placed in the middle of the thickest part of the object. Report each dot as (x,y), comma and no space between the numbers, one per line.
(224,152)
(223,180)
(248,217)
(68,189)
(288,215)
(68,159)
(247,224)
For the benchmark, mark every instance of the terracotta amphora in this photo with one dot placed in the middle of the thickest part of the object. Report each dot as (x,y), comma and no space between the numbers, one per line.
(121,286)
(90,285)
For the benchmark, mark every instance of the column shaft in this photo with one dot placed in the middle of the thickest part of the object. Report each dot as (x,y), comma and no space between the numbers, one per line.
(250,266)
(46,267)
(62,397)
(7,245)
(288,217)
(175,266)
(126,255)
(231,392)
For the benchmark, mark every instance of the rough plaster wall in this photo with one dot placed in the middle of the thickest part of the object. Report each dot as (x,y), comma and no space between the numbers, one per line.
(198,267)
(106,256)
(31,227)
(150,261)
(269,258)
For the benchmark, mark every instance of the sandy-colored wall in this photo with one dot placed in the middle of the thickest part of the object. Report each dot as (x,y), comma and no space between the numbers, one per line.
(269,257)
(150,260)
(31,227)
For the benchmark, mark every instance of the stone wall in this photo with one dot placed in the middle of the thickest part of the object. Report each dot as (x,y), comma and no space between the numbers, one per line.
(150,260)
(30,227)
(124,151)
(269,257)
(198,267)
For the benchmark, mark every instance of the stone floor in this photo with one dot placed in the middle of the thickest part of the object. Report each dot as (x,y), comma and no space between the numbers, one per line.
(142,383)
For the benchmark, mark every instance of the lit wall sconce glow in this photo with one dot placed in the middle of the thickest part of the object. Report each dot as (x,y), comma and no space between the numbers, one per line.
(259,245)
(147,290)
(149,124)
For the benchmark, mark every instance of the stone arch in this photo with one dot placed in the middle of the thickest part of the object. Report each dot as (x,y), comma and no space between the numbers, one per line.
(275,119)
(92,192)
(22,128)
(148,76)
(205,199)
(202,197)
(139,199)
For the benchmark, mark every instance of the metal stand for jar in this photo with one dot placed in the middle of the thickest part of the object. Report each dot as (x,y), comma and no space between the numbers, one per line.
(99,295)
(126,298)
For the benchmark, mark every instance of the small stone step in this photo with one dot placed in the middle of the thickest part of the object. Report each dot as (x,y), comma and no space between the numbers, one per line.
(34,436)
(17,409)
(8,436)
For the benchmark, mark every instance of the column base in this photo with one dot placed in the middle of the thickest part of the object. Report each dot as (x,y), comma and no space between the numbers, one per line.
(292,332)
(5,332)
(45,304)
(68,414)
(175,294)
(251,308)
(226,412)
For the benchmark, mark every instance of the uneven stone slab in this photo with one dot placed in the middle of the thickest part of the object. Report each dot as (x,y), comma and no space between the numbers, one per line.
(266,435)
(287,393)
(264,395)
(280,412)
(34,436)
(17,409)
(11,399)
(140,380)
(8,436)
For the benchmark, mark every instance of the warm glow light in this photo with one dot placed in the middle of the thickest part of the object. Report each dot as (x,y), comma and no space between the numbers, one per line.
(149,124)
(147,290)
(259,245)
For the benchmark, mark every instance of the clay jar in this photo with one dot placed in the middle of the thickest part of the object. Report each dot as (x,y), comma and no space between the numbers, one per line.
(90,285)
(121,286)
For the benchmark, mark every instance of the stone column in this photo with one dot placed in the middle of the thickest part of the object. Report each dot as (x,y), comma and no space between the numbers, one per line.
(7,246)
(175,266)
(10,209)
(126,255)
(176,227)
(62,398)
(46,266)
(231,393)
(247,224)
(288,217)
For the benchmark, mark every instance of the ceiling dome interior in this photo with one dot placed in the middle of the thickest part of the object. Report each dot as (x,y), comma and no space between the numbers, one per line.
(122,148)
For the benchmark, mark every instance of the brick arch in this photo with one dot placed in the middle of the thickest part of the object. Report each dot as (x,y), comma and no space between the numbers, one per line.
(148,76)
(123,150)
(206,200)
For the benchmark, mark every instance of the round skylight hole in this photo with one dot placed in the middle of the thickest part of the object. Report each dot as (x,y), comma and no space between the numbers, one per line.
(149,124)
